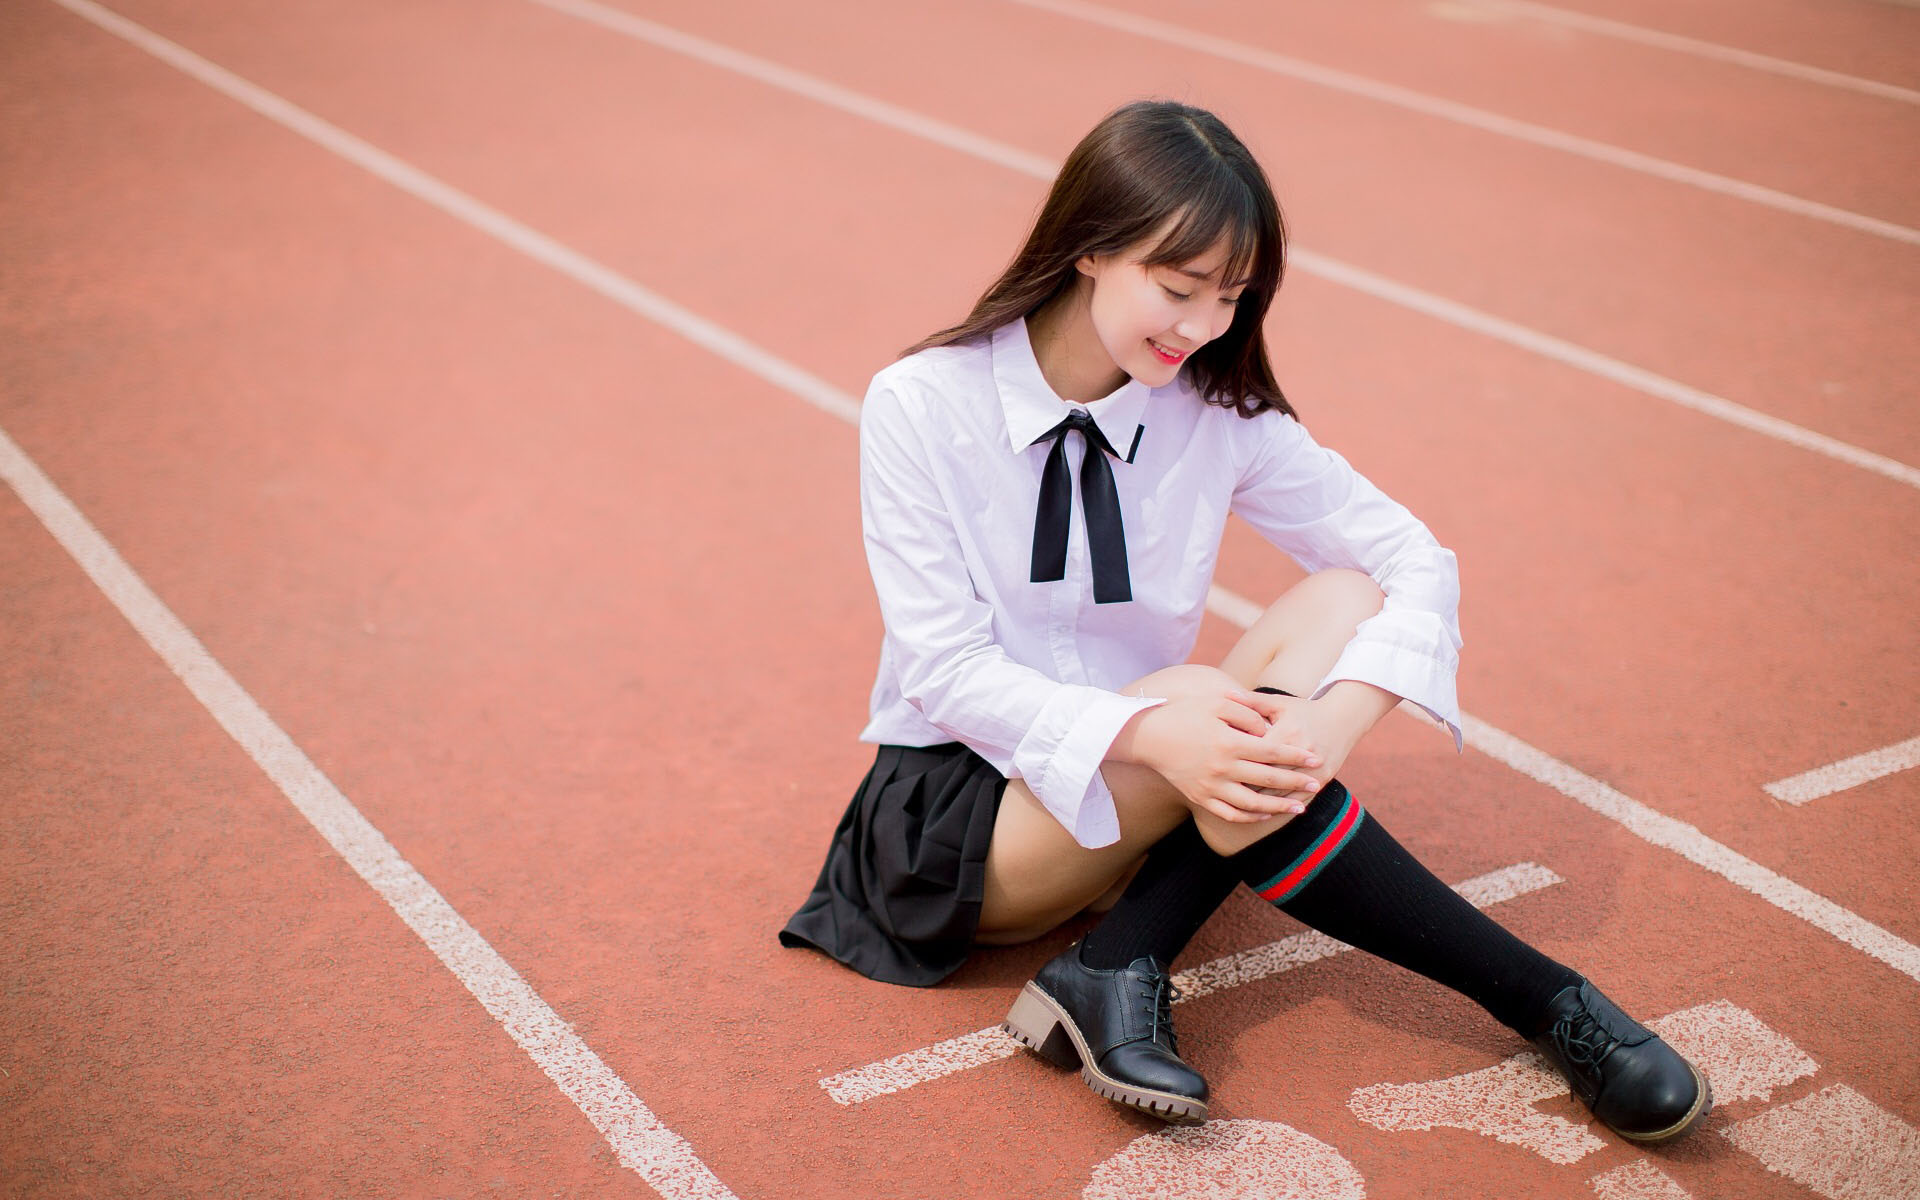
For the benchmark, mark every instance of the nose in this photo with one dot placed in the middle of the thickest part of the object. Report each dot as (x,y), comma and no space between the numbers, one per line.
(1194,329)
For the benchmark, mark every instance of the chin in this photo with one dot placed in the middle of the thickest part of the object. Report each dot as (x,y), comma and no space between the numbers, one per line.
(1158,374)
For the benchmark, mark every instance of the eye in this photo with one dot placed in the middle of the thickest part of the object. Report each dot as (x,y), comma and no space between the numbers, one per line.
(1230,300)
(1176,295)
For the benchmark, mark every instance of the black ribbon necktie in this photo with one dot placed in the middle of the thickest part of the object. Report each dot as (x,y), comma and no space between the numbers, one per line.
(1100,500)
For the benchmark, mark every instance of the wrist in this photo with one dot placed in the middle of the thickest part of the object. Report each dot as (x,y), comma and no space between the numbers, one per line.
(1133,744)
(1353,707)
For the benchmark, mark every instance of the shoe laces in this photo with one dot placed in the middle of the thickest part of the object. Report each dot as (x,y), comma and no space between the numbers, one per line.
(1158,990)
(1582,1039)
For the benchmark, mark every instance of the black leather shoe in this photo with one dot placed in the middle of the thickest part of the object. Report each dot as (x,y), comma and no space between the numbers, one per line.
(1635,1083)
(1117,1027)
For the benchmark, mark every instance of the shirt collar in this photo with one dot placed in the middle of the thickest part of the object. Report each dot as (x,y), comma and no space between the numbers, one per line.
(1032,406)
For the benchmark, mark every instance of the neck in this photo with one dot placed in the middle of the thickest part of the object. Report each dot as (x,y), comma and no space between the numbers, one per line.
(1072,360)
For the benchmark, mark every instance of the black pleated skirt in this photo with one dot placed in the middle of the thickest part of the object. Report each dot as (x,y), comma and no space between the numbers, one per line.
(898,899)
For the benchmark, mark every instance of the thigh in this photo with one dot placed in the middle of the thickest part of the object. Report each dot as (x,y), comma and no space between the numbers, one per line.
(1038,876)
(1300,636)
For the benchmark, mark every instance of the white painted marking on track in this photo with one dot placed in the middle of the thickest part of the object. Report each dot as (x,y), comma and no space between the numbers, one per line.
(1848,772)
(1744,1059)
(1638,1180)
(640,1141)
(924,1065)
(1477,118)
(1738,1054)
(1837,1143)
(1697,47)
(1497,1102)
(902,1071)
(1227,1160)
(1347,275)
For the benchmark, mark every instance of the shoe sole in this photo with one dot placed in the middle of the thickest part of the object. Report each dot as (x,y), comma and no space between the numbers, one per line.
(1702,1105)
(1041,1025)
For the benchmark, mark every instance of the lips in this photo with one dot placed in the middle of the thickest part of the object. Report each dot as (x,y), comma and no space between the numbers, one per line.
(1165,355)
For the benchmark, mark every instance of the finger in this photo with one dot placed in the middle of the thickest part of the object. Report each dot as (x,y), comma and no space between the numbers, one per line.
(1285,754)
(1227,812)
(1244,797)
(1278,782)
(1243,717)
(1266,704)
(1270,749)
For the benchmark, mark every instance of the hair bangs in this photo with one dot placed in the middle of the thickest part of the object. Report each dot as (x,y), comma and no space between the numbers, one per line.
(1222,209)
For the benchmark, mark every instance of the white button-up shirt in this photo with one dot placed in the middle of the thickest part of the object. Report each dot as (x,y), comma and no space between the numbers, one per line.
(1029,674)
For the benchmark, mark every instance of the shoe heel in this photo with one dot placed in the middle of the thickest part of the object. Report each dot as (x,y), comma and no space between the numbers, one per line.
(1035,1023)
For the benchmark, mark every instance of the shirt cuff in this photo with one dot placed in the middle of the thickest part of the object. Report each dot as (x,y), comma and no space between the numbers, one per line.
(1409,674)
(1061,755)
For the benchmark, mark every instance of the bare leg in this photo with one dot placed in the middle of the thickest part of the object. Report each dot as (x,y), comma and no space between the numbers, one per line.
(1038,876)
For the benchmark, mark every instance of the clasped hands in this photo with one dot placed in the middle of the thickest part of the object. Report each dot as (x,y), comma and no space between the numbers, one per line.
(1244,756)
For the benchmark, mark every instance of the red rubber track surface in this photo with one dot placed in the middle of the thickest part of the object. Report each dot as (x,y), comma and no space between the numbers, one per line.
(576,614)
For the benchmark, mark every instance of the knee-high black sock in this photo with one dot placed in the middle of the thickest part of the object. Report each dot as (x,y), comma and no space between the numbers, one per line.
(1179,885)
(1335,869)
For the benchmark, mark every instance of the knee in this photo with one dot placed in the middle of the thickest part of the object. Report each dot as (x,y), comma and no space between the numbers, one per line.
(1187,679)
(1352,595)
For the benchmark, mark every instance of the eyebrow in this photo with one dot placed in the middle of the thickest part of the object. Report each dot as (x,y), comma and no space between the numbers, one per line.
(1209,275)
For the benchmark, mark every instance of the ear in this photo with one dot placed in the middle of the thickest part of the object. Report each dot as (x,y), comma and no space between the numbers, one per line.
(1086,265)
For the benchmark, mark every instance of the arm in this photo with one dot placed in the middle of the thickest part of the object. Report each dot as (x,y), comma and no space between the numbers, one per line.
(1307,501)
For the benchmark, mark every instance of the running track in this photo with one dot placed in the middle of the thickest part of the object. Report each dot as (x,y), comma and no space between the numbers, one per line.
(438,412)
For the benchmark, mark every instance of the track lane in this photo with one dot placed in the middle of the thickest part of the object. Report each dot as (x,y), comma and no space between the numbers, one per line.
(1586,96)
(199,994)
(1872,38)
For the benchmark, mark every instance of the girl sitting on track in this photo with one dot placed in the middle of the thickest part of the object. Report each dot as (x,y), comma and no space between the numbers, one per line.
(1039,748)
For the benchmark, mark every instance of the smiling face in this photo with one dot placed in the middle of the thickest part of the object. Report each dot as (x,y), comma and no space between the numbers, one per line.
(1150,318)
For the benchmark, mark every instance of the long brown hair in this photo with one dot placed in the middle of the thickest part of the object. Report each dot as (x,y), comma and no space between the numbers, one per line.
(1146,164)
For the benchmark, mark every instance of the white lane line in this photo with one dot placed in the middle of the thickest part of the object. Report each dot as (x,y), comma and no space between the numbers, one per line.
(801,84)
(915,1067)
(639,1141)
(1594,363)
(457,204)
(1477,118)
(1345,274)
(1848,772)
(1696,847)
(1702,49)
(733,348)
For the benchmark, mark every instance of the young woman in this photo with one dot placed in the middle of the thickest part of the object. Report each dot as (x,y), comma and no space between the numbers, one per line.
(1043,745)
